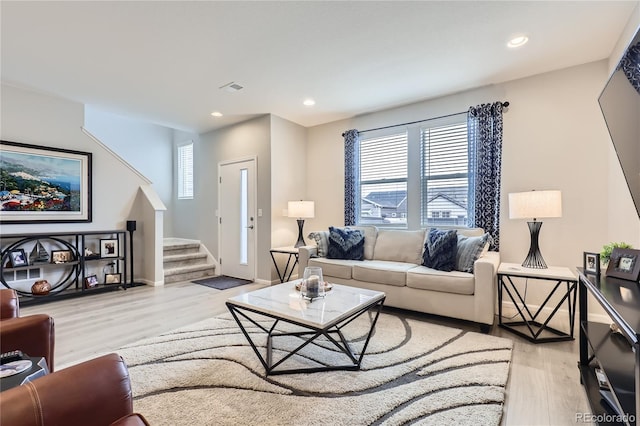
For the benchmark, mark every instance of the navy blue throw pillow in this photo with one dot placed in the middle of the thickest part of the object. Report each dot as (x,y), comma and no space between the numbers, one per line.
(440,250)
(345,243)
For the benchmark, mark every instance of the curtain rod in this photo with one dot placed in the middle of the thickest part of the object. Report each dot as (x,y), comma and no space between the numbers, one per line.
(504,104)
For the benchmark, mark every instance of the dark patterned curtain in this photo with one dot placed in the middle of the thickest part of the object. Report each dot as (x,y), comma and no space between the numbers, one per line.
(630,65)
(485,164)
(351,178)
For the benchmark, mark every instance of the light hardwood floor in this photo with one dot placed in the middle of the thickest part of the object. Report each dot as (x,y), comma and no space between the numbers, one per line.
(544,386)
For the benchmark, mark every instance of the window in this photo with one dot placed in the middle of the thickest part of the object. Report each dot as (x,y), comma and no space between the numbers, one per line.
(383,180)
(417,177)
(445,175)
(185,171)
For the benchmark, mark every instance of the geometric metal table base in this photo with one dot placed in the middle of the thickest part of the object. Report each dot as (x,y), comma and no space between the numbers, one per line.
(530,322)
(292,253)
(308,336)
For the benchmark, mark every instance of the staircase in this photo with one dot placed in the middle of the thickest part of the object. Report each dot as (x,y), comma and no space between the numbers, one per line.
(186,260)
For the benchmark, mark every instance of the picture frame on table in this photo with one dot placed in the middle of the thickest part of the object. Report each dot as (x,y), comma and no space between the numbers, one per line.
(61,256)
(18,258)
(591,263)
(59,190)
(624,264)
(91,281)
(113,278)
(109,248)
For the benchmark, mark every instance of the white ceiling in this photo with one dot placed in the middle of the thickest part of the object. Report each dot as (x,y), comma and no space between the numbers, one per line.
(165,61)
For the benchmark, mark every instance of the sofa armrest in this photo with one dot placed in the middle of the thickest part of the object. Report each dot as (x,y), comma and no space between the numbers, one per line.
(95,392)
(32,334)
(304,254)
(485,271)
(9,306)
(134,419)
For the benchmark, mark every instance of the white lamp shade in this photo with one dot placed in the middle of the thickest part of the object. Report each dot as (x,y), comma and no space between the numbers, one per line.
(301,209)
(535,204)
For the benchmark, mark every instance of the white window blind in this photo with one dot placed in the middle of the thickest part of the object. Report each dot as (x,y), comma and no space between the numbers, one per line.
(383,180)
(445,171)
(185,171)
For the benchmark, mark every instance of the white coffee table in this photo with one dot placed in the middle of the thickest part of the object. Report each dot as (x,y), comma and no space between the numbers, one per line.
(322,317)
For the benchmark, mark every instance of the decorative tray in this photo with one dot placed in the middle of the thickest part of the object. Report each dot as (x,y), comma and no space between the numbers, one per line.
(327,286)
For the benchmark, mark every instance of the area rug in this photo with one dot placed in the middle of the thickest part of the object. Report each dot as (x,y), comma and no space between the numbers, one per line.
(413,372)
(222,282)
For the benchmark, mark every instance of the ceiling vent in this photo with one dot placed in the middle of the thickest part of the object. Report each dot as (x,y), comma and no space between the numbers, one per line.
(232,87)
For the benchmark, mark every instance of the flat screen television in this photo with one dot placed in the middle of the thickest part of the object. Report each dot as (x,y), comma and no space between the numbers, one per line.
(620,105)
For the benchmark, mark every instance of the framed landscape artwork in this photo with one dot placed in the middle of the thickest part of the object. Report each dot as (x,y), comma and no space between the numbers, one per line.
(44,185)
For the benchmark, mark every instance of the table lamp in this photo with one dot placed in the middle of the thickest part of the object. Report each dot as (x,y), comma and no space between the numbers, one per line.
(301,210)
(535,205)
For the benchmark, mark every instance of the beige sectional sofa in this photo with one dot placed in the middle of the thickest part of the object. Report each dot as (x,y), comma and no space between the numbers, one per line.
(392,264)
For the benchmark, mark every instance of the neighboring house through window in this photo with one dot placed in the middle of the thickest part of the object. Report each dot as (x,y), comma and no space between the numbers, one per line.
(397,189)
(185,170)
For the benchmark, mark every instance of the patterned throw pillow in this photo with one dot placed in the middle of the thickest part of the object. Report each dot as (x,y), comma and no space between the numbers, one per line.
(322,242)
(469,250)
(440,250)
(345,243)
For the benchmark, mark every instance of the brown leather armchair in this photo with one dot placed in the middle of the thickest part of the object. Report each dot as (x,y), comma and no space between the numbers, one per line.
(33,334)
(95,392)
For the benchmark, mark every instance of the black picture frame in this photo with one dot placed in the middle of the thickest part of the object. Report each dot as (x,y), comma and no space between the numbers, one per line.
(65,199)
(91,281)
(113,278)
(109,248)
(591,263)
(61,256)
(624,264)
(18,258)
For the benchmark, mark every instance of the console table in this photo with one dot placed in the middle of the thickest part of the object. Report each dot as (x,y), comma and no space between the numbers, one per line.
(531,325)
(616,353)
(93,262)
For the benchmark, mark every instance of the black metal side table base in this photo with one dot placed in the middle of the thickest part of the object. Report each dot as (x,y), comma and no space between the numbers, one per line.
(306,337)
(561,336)
(529,322)
(289,267)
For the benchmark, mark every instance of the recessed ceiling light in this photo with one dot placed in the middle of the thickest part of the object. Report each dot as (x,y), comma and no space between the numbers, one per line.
(216,114)
(309,102)
(518,41)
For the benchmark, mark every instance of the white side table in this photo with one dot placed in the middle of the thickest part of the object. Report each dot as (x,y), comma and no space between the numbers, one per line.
(531,325)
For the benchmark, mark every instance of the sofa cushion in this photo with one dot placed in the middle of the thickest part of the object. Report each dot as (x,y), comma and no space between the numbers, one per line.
(424,278)
(382,272)
(370,233)
(345,243)
(333,267)
(321,239)
(469,250)
(399,246)
(440,249)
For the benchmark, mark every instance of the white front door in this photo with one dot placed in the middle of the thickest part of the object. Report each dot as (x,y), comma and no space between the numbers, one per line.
(236,219)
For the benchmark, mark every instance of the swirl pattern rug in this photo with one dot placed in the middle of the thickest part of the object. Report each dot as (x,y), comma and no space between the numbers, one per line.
(413,372)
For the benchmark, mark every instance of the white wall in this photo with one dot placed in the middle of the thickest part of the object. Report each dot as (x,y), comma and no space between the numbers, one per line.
(288,177)
(288,182)
(147,147)
(554,138)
